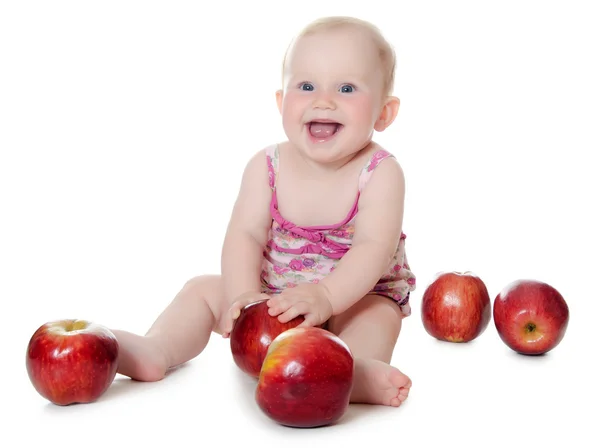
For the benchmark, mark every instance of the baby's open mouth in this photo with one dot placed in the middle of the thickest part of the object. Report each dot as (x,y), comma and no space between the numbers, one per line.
(323,130)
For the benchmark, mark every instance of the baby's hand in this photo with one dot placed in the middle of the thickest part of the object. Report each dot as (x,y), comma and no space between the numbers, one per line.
(236,308)
(308,299)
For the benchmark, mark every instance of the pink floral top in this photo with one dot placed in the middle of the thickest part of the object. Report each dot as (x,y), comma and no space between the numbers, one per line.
(308,254)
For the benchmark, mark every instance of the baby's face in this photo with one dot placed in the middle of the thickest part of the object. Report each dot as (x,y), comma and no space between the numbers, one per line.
(332,94)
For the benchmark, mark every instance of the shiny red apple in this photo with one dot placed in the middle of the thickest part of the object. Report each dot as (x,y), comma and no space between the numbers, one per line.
(306,378)
(531,317)
(252,333)
(72,361)
(456,307)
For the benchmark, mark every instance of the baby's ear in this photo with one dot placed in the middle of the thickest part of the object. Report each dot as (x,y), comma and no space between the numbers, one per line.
(388,114)
(279,98)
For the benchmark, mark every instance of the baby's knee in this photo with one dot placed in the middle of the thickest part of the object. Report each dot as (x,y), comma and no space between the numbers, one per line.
(207,289)
(199,282)
(202,285)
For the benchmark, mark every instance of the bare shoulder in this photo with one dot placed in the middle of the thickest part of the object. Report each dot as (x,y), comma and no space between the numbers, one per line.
(251,209)
(390,167)
(381,205)
(387,180)
(257,163)
(255,175)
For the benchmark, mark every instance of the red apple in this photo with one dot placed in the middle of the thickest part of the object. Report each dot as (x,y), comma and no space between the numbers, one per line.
(531,317)
(252,333)
(306,378)
(456,307)
(72,361)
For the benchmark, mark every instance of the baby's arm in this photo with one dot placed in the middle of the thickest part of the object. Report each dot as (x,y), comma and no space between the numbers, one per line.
(377,231)
(247,231)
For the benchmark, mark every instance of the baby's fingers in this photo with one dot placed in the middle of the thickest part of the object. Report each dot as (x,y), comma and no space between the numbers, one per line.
(281,304)
(232,314)
(236,309)
(292,312)
(227,326)
(310,320)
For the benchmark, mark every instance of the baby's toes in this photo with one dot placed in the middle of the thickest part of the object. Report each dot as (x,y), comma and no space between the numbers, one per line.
(403,394)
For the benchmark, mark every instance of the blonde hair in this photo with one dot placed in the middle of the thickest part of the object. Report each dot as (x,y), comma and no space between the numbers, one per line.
(387,54)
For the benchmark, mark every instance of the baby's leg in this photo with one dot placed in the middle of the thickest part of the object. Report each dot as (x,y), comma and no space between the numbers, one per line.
(371,328)
(179,334)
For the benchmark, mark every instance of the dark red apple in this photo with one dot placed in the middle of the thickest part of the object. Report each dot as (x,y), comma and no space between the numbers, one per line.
(252,333)
(531,317)
(456,307)
(72,361)
(306,378)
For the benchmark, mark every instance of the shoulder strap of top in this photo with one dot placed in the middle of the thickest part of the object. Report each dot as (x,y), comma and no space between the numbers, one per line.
(370,166)
(272,155)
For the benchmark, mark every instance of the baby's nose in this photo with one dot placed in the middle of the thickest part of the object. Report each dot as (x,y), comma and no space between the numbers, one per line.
(324,101)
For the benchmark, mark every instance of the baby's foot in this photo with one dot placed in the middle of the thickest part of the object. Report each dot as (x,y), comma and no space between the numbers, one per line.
(140,358)
(376,382)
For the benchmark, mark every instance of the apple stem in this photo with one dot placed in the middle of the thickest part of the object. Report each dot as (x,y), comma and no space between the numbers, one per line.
(530,327)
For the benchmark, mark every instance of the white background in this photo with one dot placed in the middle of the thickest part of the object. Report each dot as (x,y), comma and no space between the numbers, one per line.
(124,129)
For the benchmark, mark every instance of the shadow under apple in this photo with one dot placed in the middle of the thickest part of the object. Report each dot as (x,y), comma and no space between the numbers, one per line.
(121,386)
(246,387)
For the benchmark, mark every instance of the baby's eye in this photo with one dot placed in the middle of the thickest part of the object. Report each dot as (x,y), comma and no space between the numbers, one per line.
(347,88)
(306,86)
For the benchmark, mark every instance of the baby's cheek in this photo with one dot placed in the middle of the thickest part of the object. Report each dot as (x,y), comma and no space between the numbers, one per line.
(293,104)
(361,108)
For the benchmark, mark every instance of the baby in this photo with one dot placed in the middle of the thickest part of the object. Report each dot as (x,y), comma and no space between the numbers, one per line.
(317,226)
